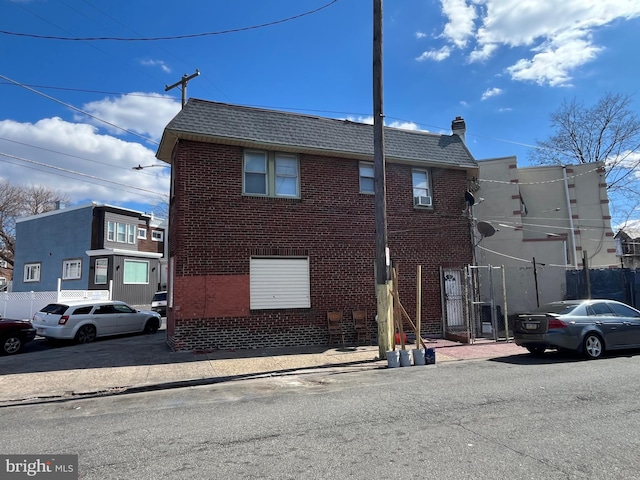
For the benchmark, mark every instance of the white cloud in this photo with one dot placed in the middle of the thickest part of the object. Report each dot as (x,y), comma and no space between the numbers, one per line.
(404,125)
(144,113)
(156,63)
(557,35)
(84,163)
(420,35)
(491,92)
(437,55)
(461,21)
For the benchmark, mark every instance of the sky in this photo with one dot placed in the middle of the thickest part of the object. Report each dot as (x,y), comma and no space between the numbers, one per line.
(83,94)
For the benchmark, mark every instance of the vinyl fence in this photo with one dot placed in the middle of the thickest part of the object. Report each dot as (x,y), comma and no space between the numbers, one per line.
(23,305)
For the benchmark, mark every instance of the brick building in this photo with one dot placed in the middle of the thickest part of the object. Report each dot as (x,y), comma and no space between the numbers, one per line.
(272,223)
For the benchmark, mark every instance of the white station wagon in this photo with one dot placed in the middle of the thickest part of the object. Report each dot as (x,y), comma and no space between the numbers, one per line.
(85,320)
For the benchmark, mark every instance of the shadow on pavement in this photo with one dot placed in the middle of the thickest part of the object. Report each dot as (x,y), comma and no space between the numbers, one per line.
(41,355)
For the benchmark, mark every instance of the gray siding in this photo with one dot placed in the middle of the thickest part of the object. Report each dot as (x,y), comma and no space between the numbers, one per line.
(122,219)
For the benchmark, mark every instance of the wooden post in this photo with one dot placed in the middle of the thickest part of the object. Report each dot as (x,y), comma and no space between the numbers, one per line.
(418,304)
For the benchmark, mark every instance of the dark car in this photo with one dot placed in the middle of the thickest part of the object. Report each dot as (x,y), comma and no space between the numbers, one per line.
(590,327)
(14,334)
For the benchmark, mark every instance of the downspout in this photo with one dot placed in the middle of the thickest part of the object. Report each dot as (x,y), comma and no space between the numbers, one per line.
(573,235)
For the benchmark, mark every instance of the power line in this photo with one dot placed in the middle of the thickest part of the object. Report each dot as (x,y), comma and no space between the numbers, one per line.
(68,105)
(65,170)
(174,37)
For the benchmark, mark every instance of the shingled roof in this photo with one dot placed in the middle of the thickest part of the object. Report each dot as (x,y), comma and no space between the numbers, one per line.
(214,122)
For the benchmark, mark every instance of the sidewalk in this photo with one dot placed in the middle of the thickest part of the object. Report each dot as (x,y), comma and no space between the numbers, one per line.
(144,362)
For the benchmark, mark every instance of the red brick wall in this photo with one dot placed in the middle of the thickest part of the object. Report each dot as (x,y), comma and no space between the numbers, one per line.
(214,230)
(147,244)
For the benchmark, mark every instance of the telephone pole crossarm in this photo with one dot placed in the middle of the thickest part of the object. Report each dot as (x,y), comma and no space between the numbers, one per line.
(183,82)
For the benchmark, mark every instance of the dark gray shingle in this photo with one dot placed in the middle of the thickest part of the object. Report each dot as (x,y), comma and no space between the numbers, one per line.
(223,123)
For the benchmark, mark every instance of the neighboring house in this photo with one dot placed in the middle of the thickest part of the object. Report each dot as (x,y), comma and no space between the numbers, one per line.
(272,223)
(5,274)
(628,246)
(551,215)
(90,247)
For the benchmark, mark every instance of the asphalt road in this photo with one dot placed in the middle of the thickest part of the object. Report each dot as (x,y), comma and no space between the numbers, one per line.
(556,418)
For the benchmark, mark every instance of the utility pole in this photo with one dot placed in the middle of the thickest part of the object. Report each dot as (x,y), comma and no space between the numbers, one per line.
(183,81)
(383,295)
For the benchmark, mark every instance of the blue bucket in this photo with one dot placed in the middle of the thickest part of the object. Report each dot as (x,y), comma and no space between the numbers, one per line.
(430,356)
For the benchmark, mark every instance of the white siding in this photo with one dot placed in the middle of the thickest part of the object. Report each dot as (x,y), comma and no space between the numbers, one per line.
(279,283)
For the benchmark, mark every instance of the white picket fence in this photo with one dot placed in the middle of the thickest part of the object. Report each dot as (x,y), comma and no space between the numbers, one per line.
(23,305)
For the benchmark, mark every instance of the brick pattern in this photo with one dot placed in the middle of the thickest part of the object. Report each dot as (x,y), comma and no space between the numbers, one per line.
(214,230)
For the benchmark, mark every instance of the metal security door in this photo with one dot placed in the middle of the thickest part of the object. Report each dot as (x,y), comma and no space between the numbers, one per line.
(454,300)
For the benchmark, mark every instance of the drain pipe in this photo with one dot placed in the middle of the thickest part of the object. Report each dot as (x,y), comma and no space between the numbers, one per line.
(573,235)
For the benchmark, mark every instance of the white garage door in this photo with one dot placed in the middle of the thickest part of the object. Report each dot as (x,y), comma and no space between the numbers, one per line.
(279,283)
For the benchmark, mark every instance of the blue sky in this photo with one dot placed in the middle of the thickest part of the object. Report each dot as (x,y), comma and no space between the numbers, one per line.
(503,65)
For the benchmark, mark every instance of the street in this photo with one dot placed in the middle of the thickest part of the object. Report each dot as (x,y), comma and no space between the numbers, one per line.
(554,418)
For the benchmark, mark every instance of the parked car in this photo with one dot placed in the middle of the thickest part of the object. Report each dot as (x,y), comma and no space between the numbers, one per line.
(590,327)
(14,334)
(159,303)
(84,321)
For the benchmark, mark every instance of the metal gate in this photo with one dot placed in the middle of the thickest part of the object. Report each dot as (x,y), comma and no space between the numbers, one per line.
(474,303)
(454,293)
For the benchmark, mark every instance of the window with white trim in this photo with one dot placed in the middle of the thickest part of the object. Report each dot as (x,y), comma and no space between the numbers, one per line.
(142,233)
(131,234)
(421,190)
(31,272)
(279,282)
(111,231)
(271,174)
(136,272)
(366,177)
(157,235)
(101,268)
(71,269)
(122,232)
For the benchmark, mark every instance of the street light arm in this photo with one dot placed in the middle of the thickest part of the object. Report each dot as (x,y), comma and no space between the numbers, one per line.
(141,167)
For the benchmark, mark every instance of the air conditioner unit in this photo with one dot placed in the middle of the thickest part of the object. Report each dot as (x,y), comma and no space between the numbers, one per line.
(422,201)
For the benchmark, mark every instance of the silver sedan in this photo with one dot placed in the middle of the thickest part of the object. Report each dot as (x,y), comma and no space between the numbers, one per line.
(590,327)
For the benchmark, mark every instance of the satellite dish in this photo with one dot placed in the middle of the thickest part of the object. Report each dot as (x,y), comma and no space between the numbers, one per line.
(469,198)
(485,229)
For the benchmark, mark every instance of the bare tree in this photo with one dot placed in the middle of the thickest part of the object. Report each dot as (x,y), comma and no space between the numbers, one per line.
(607,132)
(18,201)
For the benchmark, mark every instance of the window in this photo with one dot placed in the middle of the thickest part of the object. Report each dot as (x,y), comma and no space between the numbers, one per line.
(276,283)
(123,232)
(131,234)
(421,195)
(71,269)
(111,231)
(367,183)
(32,272)
(136,272)
(142,233)
(157,235)
(271,174)
(101,271)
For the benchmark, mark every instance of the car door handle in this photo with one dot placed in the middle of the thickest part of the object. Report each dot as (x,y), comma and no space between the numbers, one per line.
(598,323)
(626,323)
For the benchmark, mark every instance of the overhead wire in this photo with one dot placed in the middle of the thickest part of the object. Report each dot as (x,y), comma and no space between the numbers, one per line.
(172,37)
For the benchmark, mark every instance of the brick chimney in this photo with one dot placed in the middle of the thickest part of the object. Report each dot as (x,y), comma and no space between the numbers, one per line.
(458,127)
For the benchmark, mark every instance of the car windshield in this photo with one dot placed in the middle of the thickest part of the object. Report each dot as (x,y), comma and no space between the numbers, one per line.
(558,308)
(159,297)
(55,309)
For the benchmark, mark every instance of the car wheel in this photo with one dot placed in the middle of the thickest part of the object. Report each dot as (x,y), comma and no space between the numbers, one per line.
(537,351)
(11,344)
(86,334)
(592,346)
(152,325)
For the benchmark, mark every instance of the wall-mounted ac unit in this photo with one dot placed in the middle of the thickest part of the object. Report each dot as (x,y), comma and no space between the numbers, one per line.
(422,201)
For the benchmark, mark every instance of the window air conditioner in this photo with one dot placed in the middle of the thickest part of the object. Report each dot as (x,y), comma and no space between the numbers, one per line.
(422,201)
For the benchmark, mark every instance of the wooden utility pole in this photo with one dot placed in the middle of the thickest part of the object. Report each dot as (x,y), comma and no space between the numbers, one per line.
(183,81)
(383,296)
